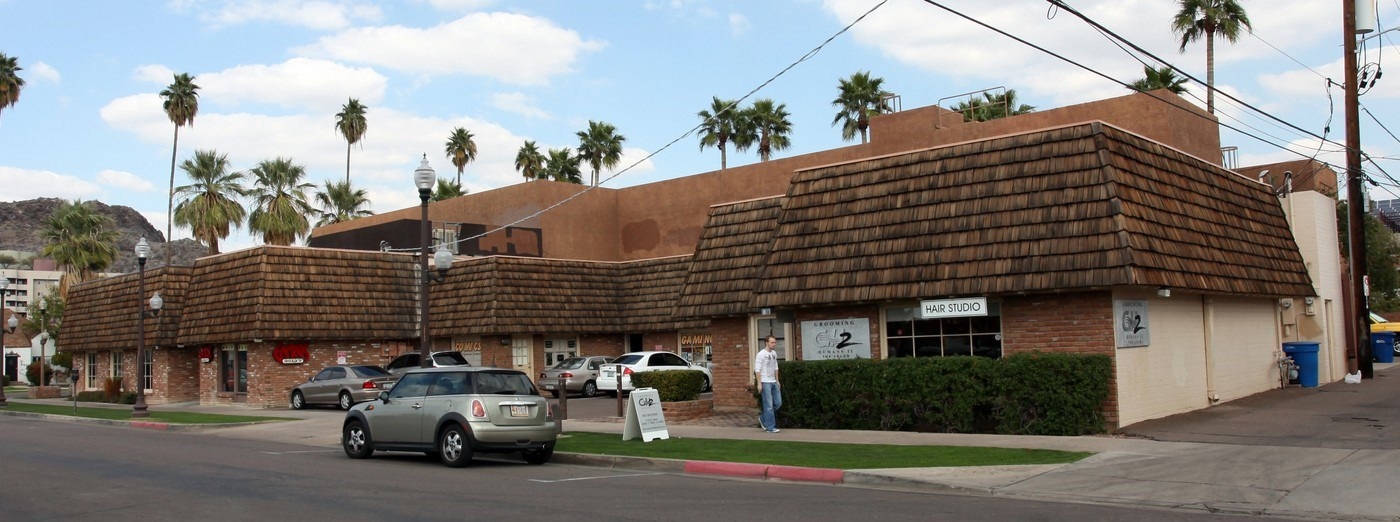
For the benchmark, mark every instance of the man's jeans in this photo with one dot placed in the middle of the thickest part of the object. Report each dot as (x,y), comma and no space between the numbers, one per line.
(772,400)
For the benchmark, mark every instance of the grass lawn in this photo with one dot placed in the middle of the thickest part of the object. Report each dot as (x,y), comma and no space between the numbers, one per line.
(172,417)
(812,454)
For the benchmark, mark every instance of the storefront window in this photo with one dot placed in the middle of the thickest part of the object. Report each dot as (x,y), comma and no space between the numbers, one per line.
(147,380)
(233,369)
(907,335)
(91,371)
(116,365)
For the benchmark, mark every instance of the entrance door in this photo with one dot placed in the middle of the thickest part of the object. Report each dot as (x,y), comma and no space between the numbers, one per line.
(556,350)
(520,354)
(233,372)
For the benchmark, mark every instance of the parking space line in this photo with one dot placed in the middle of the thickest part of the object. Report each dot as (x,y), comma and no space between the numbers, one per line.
(598,477)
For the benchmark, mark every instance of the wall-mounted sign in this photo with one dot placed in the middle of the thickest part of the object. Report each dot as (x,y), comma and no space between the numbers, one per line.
(291,353)
(470,346)
(206,353)
(836,339)
(962,307)
(1130,323)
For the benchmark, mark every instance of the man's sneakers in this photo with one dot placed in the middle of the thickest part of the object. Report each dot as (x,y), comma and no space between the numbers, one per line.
(774,430)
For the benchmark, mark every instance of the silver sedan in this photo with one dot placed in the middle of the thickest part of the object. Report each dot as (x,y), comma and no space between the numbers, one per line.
(341,386)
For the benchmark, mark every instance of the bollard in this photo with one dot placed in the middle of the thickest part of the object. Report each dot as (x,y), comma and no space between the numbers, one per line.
(563,406)
(619,390)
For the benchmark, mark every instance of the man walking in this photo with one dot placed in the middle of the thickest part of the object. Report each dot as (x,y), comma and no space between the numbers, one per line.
(765,370)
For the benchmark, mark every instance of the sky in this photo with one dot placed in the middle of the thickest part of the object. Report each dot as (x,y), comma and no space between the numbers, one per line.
(273,73)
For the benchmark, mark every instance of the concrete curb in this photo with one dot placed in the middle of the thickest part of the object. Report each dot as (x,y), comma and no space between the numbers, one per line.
(705,467)
(136,424)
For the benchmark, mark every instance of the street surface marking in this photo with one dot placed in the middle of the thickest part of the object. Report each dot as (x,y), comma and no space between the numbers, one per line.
(598,477)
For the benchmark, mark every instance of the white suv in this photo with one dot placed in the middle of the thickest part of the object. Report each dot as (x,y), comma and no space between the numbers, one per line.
(630,363)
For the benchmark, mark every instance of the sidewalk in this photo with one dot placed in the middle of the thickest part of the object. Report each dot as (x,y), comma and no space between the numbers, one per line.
(1254,474)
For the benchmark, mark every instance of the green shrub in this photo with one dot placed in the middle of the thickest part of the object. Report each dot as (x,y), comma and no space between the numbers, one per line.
(64,359)
(672,385)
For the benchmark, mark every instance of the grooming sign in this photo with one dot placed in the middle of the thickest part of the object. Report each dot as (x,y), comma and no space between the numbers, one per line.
(944,308)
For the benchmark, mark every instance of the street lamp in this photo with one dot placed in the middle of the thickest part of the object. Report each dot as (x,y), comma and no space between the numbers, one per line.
(425,177)
(143,251)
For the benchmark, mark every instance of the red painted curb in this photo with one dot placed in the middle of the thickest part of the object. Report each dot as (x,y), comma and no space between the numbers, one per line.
(830,476)
(162,426)
(733,469)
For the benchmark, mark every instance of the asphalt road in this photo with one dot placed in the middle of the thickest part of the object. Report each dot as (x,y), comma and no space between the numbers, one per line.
(63,471)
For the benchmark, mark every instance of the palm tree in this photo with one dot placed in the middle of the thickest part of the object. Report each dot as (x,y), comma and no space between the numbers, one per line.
(448,190)
(859,98)
(341,202)
(181,104)
(209,205)
(770,121)
(600,146)
(280,208)
(719,126)
(461,149)
(1163,78)
(992,106)
(80,240)
(1207,19)
(529,161)
(562,166)
(350,123)
(10,82)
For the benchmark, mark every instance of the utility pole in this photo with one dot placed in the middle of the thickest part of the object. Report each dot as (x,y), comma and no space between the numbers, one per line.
(1356,199)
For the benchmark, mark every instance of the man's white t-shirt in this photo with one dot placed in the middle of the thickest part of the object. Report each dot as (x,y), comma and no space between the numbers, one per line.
(766,365)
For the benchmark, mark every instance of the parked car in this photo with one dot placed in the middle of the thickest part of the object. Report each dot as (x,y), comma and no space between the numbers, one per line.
(411,360)
(453,412)
(342,385)
(630,363)
(580,374)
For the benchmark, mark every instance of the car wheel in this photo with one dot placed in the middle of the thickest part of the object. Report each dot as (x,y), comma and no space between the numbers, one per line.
(590,389)
(705,387)
(356,440)
(298,402)
(539,456)
(453,448)
(346,401)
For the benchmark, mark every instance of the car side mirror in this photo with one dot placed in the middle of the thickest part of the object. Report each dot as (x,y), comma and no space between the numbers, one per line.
(384,397)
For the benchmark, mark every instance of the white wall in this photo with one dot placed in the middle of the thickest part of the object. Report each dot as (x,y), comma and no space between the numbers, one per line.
(1168,376)
(1313,218)
(1244,345)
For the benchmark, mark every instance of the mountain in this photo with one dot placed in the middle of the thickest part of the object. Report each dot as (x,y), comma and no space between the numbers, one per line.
(22,221)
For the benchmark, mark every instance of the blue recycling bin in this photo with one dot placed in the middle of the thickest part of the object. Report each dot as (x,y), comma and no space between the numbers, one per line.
(1304,355)
(1383,346)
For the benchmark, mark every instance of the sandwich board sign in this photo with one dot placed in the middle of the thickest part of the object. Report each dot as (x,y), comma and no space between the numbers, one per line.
(644,416)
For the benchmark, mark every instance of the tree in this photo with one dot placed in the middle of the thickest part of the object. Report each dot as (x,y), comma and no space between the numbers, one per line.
(280,208)
(447,190)
(350,122)
(1382,254)
(859,98)
(80,240)
(992,106)
(529,161)
(1160,78)
(720,126)
(770,121)
(341,202)
(563,166)
(181,105)
(1208,19)
(600,146)
(10,82)
(461,149)
(210,204)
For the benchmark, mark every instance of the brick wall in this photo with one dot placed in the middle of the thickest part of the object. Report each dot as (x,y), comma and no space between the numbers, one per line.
(731,367)
(1063,323)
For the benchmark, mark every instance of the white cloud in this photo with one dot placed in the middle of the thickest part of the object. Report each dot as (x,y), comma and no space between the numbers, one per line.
(508,47)
(154,74)
(739,24)
(22,184)
(315,14)
(300,83)
(125,181)
(459,5)
(518,103)
(42,71)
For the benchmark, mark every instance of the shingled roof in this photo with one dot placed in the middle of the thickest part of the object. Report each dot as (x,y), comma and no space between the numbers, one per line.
(504,295)
(101,314)
(296,293)
(729,258)
(1071,208)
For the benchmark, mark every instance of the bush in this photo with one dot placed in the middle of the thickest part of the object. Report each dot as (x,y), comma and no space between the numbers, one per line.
(672,385)
(64,359)
(111,389)
(31,372)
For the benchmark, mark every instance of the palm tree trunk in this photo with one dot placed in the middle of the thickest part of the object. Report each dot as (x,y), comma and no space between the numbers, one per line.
(723,158)
(347,162)
(1210,72)
(170,196)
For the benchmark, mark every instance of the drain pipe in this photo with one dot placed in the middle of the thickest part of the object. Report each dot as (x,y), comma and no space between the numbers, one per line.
(1208,321)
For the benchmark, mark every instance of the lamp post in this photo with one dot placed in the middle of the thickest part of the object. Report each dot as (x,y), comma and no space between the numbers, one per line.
(143,251)
(9,328)
(425,177)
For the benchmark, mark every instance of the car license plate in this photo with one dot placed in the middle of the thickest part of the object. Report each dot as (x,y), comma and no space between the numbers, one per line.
(549,386)
(520,411)
(608,372)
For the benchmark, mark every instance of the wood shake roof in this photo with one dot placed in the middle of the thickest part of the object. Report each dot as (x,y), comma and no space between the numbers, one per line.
(1077,207)
(296,293)
(729,258)
(101,314)
(649,292)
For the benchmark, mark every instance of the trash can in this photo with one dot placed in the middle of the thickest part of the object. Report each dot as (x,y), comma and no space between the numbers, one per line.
(1383,346)
(1304,355)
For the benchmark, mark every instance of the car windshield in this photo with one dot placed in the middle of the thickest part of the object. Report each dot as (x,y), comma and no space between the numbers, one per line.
(370,371)
(450,359)
(572,363)
(504,383)
(630,358)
